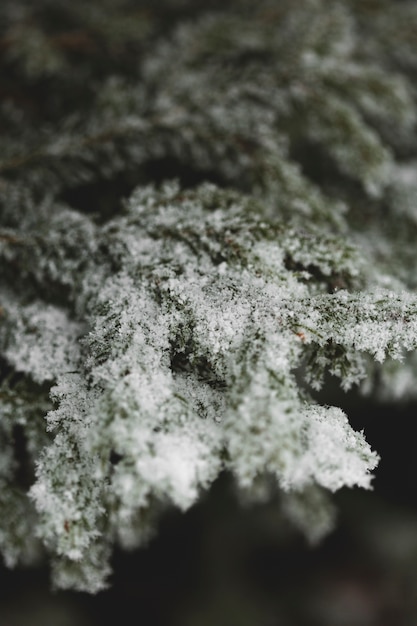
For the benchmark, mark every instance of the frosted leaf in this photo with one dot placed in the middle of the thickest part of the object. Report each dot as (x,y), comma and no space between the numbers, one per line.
(197,318)
(311,511)
(89,574)
(311,445)
(45,340)
(18,541)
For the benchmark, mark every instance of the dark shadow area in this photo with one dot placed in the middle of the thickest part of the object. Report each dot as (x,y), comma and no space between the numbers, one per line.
(103,199)
(168,168)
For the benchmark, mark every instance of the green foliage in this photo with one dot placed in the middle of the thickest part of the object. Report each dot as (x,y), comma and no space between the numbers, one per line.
(213,209)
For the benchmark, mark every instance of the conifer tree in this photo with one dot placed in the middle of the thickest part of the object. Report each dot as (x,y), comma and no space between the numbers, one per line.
(205,210)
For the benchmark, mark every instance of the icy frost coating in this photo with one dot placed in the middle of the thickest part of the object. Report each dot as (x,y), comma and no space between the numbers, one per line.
(146,347)
(196,330)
